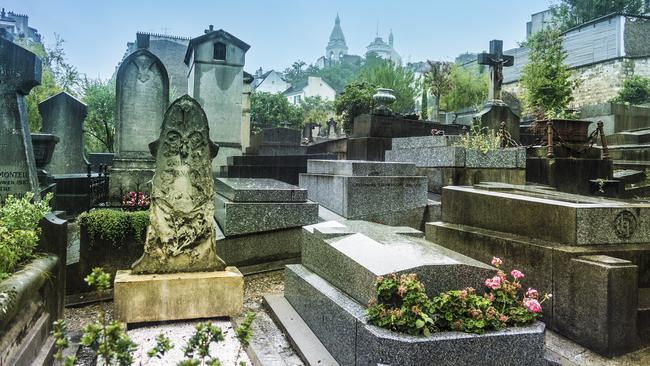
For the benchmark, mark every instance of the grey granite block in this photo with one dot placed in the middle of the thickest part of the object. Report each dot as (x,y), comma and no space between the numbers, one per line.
(264,247)
(356,260)
(359,168)
(237,218)
(340,324)
(423,141)
(312,298)
(501,158)
(359,197)
(259,190)
(444,156)
(530,211)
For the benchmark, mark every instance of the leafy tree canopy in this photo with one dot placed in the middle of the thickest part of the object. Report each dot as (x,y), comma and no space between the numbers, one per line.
(99,126)
(636,90)
(437,79)
(469,88)
(387,74)
(317,110)
(271,110)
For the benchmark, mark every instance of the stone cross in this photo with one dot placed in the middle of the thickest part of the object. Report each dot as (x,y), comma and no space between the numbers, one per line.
(20,71)
(181,231)
(497,61)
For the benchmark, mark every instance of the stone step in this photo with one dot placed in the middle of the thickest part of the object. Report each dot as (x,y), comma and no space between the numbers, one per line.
(360,168)
(629,137)
(631,164)
(643,314)
(636,190)
(630,176)
(630,152)
(358,252)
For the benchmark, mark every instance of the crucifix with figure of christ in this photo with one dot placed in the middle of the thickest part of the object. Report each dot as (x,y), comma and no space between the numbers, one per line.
(497,61)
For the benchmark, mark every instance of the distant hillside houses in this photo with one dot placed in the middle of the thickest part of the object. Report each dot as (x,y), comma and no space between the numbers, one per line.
(16,26)
(274,82)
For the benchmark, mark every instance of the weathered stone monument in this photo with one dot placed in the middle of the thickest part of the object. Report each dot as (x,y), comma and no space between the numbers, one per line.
(216,80)
(496,110)
(142,92)
(180,259)
(63,116)
(20,71)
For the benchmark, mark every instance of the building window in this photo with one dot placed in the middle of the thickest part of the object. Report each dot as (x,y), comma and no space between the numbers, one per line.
(296,99)
(220,51)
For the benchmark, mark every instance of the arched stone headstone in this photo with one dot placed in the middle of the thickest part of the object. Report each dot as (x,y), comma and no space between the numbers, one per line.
(20,71)
(142,92)
(63,116)
(181,232)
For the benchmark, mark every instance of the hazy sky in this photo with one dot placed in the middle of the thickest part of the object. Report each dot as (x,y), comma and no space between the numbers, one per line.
(279,31)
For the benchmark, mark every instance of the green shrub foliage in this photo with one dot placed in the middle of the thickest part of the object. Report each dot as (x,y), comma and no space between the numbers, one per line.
(114,225)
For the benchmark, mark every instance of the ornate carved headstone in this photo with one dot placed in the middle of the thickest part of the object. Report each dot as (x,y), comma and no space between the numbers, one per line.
(20,71)
(180,236)
(63,116)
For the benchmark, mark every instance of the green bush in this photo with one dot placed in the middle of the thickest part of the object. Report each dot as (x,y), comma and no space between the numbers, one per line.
(19,218)
(114,225)
(636,90)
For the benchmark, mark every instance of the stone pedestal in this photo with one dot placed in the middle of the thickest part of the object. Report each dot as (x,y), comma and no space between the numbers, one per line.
(176,296)
(444,162)
(388,193)
(260,219)
(496,111)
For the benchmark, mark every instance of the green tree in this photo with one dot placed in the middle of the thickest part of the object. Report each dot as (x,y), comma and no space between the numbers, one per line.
(437,80)
(545,79)
(387,74)
(270,110)
(570,13)
(469,88)
(317,110)
(99,126)
(57,75)
(356,99)
(340,74)
(296,72)
(636,90)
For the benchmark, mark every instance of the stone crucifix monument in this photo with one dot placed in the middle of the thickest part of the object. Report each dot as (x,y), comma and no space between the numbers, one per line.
(180,276)
(495,110)
(20,71)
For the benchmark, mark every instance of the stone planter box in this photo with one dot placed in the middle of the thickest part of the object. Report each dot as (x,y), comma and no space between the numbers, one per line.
(512,158)
(340,324)
(29,303)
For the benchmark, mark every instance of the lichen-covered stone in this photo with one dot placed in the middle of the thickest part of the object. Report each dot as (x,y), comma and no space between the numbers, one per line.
(180,236)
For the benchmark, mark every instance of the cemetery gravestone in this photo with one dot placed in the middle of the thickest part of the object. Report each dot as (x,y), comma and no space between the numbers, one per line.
(180,257)
(20,71)
(63,116)
(495,110)
(142,92)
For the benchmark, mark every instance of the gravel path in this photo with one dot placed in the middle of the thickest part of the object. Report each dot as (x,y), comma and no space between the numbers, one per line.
(255,286)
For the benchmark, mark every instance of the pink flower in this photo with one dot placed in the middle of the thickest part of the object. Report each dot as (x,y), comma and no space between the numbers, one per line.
(496,261)
(532,293)
(489,296)
(517,274)
(532,305)
(493,283)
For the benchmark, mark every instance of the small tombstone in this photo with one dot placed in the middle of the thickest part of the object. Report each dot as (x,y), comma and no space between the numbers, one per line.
(20,71)
(63,116)
(180,236)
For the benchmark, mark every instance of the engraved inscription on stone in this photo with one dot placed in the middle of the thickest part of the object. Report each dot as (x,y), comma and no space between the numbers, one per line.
(180,236)
(625,224)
